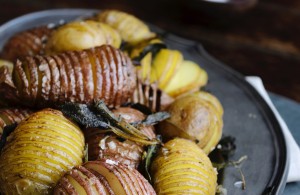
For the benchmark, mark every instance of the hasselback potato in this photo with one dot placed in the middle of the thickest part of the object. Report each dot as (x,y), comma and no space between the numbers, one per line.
(10,116)
(103,145)
(131,29)
(38,152)
(109,177)
(182,168)
(76,76)
(27,43)
(81,35)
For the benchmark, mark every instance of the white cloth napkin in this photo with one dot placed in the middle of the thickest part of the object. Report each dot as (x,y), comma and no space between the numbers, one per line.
(293,148)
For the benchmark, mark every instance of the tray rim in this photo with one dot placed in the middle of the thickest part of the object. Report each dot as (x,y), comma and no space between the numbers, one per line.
(278,181)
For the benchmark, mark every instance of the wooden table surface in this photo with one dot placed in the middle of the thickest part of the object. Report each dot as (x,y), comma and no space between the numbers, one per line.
(261,40)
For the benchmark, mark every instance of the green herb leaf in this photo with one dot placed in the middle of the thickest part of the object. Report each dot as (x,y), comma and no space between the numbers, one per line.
(86,153)
(155,118)
(147,158)
(120,126)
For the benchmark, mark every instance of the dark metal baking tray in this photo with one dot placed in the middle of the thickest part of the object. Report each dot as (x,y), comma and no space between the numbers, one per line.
(247,117)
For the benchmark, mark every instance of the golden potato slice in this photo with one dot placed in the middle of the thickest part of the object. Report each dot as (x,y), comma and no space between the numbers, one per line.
(164,66)
(188,77)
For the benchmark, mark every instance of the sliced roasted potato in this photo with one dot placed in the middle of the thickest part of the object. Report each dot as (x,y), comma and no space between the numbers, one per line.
(131,29)
(100,73)
(10,116)
(81,35)
(188,77)
(181,167)
(164,66)
(38,152)
(99,177)
(30,42)
(196,116)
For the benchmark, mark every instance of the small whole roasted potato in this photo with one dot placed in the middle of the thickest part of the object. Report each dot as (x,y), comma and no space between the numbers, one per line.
(38,152)
(196,116)
(81,35)
(181,167)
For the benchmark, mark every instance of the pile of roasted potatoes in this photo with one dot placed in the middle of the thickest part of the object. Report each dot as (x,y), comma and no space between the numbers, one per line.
(103,106)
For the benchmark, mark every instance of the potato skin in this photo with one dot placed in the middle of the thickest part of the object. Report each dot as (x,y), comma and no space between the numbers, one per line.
(103,177)
(151,96)
(181,167)
(27,43)
(196,116)
(108,146)
(100,73)
(38,152)
(10,116)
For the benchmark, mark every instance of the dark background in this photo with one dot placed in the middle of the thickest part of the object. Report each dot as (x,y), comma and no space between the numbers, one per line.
(260,38)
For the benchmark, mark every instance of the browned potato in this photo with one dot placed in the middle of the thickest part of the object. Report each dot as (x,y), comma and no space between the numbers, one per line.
(27,43)
(109,177)
(196,116)
(81,35)
(79,76)
(10,116)
(103,145)
(7,88)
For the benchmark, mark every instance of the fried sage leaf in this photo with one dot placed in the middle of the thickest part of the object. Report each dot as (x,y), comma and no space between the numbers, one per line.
(99,116)
(155,118)
(83,115)
(120,123)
